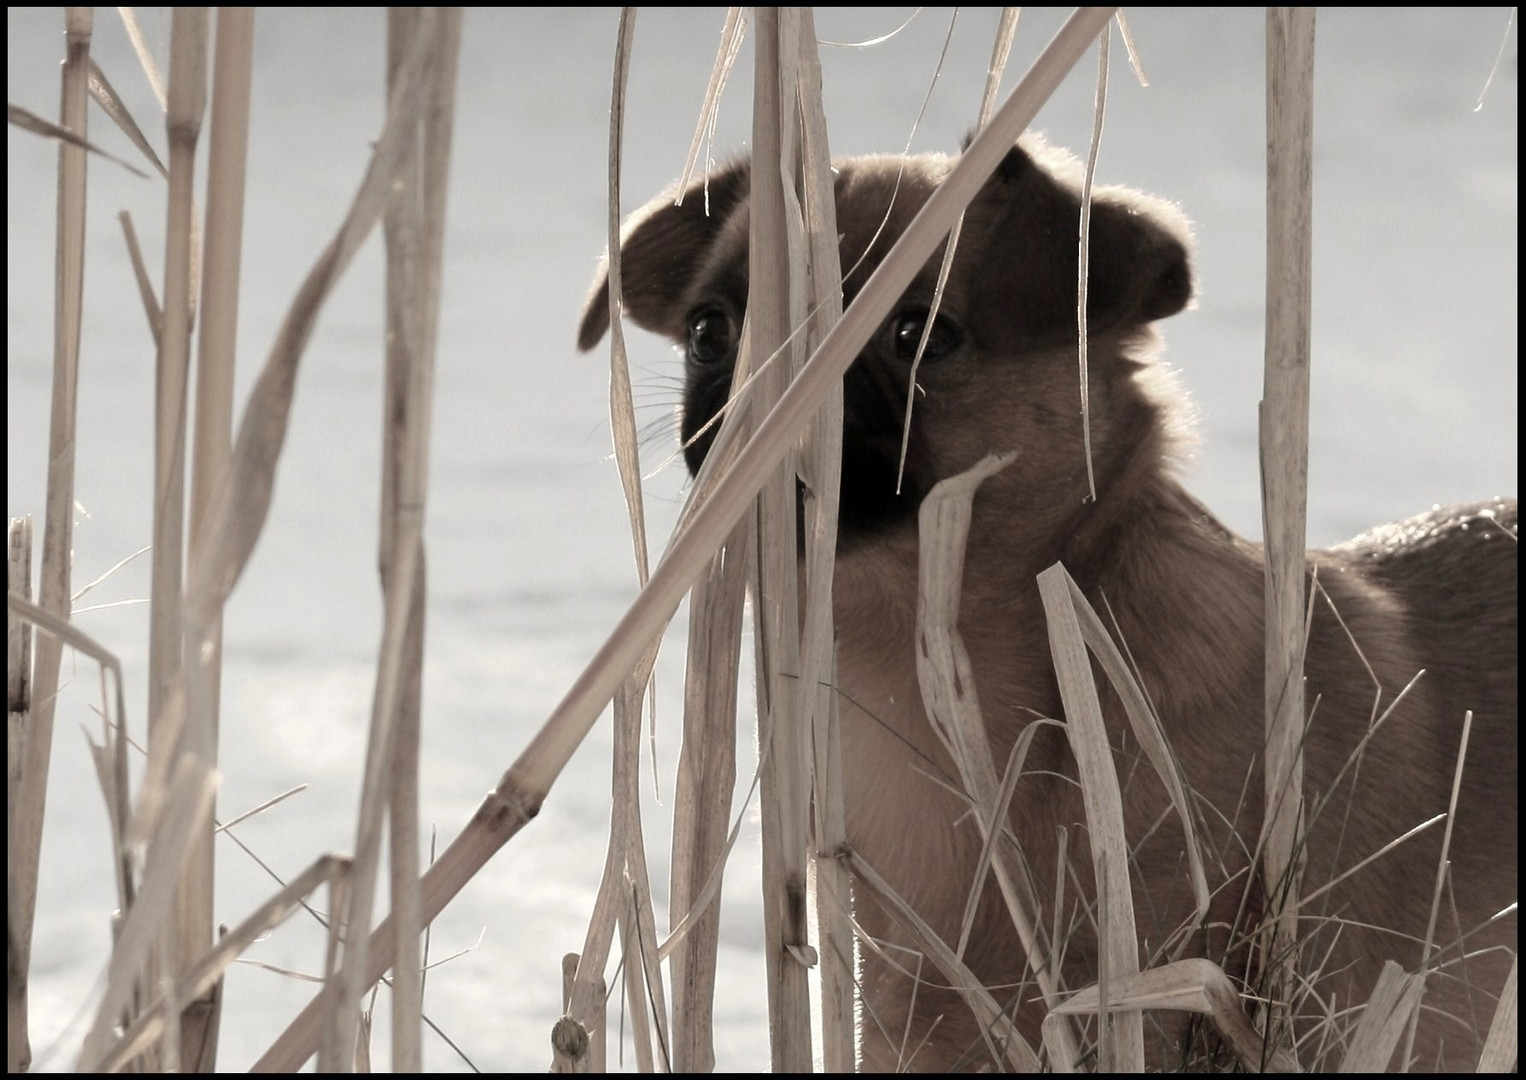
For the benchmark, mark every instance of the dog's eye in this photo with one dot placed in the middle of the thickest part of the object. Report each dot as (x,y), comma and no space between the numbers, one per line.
(906,334)
(711,336)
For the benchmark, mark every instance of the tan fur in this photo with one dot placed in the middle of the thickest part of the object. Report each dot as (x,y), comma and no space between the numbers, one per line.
(1437,592)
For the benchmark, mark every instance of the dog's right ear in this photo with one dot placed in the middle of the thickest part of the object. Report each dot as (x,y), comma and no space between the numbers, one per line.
(662,247)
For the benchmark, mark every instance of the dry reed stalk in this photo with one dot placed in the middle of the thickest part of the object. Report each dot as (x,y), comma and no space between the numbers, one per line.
(629,884)
(820,469)
(1007,1046)
(1198,986)
(58,523)
(1501,1048)
(218,316)
(421,100)
(774,276)
(523,787)
(1284,482)
(707,755)
(18,708)
(406,407)
(189,929)
(702,798)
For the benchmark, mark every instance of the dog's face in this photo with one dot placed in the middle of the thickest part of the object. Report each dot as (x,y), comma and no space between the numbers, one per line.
(999,369)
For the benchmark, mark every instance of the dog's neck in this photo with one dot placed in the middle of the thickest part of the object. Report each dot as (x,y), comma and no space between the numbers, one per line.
(1178,589)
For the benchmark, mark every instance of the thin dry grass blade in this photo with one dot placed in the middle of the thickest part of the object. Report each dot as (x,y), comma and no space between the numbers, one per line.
(30,121)
(1008,1047)
(776,276)
(58,525)
(129,17)
(208,970)
(145,283)
(1147,729)
(106,97)
(725,57)
(820,464)
(948,694)
(1284,475)
(523,788)
(1442,862)
(1197,986)
(1501,1048)
(1083,258)
(1100,795)
(432,43)
(1394,998)
(187,811)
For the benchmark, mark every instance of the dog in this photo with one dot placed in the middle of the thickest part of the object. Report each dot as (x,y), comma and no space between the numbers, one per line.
(1185,594)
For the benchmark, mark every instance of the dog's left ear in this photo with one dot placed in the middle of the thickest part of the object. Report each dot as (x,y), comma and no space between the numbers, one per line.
(1140,260)
(662,248)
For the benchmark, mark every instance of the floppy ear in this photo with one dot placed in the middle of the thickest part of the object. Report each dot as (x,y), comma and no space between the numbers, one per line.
(1139,262)
(662,247)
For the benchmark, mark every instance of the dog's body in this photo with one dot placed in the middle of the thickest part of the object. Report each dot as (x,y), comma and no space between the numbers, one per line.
(1436,593)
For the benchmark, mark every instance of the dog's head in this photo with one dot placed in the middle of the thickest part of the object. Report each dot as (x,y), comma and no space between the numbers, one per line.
(999,371)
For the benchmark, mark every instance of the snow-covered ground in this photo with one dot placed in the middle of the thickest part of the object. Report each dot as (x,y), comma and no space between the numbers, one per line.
(1414,402)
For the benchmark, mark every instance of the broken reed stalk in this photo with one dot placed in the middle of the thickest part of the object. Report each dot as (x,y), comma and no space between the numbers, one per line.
(58,524)
(212,444)
(784,767)
(523,787)
(1284,423)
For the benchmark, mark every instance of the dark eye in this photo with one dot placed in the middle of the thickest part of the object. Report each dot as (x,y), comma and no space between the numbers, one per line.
(711,336)
(906,334)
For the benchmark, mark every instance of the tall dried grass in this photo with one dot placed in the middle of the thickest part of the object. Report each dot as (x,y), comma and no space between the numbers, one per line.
(160,1005)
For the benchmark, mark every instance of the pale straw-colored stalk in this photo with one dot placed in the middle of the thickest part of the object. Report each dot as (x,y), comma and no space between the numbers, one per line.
(1284,482)
(707,755)
(413,232)
(820,468)
(785,768)
(523,788)
(212,443)
(58,523)
(190,923)
(421,99)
